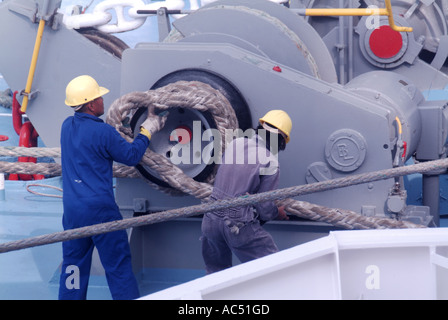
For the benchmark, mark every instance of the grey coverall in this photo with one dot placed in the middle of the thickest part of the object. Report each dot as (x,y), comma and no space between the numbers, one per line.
(238,230)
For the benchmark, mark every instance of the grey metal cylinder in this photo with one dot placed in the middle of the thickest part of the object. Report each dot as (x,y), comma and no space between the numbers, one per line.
(399,97)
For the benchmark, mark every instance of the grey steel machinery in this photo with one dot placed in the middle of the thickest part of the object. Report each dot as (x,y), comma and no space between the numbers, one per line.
(359,96)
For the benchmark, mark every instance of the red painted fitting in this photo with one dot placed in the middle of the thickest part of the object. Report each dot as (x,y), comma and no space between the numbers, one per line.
(27,138)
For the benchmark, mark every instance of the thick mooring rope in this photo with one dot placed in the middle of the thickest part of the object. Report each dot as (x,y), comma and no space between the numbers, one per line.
(202,97)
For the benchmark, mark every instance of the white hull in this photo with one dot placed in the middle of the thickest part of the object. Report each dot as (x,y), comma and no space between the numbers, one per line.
(372,264)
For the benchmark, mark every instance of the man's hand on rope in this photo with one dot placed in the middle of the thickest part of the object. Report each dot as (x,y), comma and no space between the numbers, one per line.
(153,123)
(282,214)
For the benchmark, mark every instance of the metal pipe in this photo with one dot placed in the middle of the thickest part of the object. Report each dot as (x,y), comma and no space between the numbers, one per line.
(36,50)
(350,61)
(391,19)
(356,12)
(341,46)
(341,12)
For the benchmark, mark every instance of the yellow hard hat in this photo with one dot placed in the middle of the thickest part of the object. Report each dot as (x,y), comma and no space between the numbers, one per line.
(280,120)
(83,89)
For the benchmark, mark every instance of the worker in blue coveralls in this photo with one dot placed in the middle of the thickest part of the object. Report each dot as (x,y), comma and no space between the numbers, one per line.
(249,165)
(88,148)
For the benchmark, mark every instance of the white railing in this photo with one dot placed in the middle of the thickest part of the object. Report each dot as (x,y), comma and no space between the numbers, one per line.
(127,18)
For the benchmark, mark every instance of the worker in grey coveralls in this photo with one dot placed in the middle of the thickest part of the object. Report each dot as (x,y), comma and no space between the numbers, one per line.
(239,230)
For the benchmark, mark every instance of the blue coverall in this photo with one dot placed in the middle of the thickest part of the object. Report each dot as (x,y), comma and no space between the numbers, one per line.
(88,148)
(238,230)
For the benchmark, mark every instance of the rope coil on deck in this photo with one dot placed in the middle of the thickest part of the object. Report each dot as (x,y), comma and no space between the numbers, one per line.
(199,95)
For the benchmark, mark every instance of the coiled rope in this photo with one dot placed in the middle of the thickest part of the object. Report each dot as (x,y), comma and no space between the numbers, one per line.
(202,97)
(47,169)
